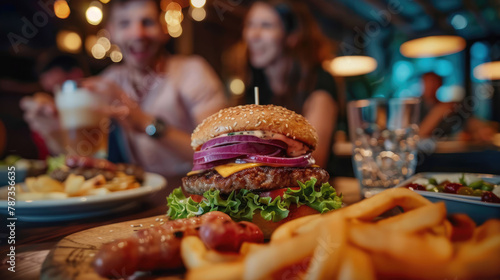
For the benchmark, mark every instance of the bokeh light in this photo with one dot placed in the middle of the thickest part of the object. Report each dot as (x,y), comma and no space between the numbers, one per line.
(402,71)
(116,55)
(459,22)
(98,51)
(198,14)
(198,3)
(174,28)
(177,33)
(103,33)
(432,46)
(237,86)
(61,9)
(488,71)
(105,1)
(104,42)
(353,65)
(94,13)
(479,50)
(69,41)
(173,17)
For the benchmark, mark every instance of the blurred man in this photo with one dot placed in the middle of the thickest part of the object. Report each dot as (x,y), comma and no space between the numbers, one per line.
(158,99)
(436,116)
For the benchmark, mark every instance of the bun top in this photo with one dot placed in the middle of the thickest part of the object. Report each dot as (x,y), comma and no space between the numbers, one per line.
(270,118)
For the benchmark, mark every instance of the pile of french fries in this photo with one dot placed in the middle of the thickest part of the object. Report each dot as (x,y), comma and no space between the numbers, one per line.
(354,243)
(45,187)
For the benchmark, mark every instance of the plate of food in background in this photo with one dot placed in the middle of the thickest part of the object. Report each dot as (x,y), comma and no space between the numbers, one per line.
(80,187)
(476,195)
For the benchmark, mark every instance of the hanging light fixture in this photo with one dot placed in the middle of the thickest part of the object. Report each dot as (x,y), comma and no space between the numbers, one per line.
(433,46)
(488,71)
(347,66)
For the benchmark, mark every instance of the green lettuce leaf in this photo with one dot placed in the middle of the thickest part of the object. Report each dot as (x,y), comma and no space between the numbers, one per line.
(242,205)
(54,163)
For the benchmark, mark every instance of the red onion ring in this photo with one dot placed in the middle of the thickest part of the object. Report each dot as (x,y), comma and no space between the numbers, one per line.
(237,150)
(233,139)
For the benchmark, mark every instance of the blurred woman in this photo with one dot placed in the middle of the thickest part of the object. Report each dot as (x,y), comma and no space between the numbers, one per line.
(282,52)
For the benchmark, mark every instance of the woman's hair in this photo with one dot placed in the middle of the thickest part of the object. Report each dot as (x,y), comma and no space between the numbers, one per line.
(307,53)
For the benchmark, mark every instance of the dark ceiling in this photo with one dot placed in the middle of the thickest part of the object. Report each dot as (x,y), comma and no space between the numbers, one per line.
(341,20)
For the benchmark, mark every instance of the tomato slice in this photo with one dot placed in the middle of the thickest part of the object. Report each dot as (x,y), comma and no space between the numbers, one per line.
(197,198)
(277,192)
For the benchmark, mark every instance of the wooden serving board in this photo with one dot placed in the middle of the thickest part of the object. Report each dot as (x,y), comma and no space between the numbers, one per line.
(72,256)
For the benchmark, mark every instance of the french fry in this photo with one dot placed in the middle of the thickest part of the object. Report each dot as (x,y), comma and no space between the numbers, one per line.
(30,184)
(91,184)
(356,264)
(45,184)
(419,219)
(486,230)
(368,209)
(328,253)
(213,256)
(478,260)
(247,248)
(218,271)
(444,229)
(287,230)
(72,184)
(98,192)
(424,247)
(262,263)
(193,252)
(387,267)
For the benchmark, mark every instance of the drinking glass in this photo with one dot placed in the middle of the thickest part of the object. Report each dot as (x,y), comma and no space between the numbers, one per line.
(84,124)
(384,133)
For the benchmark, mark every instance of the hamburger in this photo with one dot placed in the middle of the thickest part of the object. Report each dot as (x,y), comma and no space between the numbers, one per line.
(254,163)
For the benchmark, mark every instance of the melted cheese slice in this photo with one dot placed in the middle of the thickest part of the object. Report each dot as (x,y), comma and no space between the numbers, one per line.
(226,170)
(231,168)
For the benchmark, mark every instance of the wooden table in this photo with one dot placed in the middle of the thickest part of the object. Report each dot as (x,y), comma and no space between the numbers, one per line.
(35,240)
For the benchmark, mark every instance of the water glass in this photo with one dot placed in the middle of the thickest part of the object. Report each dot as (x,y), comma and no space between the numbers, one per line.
(384,133)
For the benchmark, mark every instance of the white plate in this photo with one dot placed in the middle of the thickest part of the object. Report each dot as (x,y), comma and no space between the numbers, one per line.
(83,206)
(478,210)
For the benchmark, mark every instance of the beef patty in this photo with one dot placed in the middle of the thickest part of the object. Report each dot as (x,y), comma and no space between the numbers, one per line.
(262,178)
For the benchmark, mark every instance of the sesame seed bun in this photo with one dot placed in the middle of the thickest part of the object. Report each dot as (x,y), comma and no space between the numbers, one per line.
(270,118)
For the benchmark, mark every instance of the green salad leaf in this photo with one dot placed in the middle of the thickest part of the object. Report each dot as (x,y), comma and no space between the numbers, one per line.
(242,205)
(54,163)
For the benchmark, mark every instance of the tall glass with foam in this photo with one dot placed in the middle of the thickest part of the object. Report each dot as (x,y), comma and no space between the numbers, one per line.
(384,134)
(83,121)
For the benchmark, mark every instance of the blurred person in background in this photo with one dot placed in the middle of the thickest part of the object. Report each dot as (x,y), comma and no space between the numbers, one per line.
(53,69)
(282,54)
(157,98)
(438,119)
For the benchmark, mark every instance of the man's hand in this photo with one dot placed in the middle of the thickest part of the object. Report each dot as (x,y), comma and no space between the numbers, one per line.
(120,105)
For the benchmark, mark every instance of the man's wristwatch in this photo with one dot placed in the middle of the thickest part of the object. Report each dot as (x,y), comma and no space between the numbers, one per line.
(156,129)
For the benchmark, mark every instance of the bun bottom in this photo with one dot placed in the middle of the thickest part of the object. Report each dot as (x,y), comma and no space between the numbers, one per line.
(268,227)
